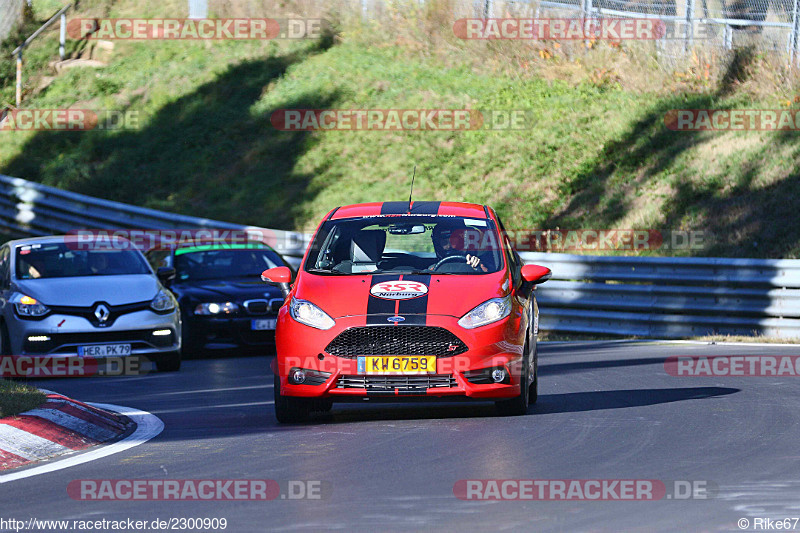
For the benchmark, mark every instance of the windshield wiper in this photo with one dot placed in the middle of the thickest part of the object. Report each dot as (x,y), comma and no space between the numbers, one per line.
(326,272)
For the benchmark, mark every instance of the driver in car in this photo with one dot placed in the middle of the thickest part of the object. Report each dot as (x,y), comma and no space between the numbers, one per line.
(452,241)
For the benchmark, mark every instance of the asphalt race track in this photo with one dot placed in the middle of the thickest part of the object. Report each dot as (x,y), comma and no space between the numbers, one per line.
(607,411)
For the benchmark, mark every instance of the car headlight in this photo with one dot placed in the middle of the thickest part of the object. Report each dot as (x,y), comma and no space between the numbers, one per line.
(164,301)
(309,314)
(27,306)
(486,313)
(216,308)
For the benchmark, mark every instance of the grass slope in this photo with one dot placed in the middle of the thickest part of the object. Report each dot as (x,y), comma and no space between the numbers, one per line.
(16,398)
(597,155)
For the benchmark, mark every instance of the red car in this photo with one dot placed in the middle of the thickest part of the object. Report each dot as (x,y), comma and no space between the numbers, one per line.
(399,300)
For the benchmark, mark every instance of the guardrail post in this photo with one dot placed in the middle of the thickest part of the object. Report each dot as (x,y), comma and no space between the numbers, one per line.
(198,9)
(586,9)
(62,36)
(728,37)
(795,35)
(689,24)
(19,77)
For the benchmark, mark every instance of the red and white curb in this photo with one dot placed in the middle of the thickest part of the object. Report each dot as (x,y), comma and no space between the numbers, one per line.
(59,426)
(63,426)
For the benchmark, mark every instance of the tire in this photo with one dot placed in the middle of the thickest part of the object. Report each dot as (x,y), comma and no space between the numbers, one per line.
(168,362)
(5,349)
(288,409)
(5,340)
(518,405)
(323,406)
(189,347)
(533,391)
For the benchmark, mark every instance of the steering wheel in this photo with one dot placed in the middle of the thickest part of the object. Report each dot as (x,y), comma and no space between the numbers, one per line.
(448,259)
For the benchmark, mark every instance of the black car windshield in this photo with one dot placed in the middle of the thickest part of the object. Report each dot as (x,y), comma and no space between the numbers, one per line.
(63,260)
(405,244)
(223,261)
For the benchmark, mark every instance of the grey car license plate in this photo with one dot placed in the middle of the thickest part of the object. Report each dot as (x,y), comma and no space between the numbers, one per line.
(259,324)
(104,350)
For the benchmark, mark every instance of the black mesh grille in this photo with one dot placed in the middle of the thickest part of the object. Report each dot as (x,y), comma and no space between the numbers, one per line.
(396,340)
(403,383)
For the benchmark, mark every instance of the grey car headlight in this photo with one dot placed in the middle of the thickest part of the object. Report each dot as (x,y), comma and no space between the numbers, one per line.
(486,313)
(27,306)
(309,314)
(163,302)
(216,308)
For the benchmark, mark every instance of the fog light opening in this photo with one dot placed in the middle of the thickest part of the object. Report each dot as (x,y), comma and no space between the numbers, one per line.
(498,375)
(297,376)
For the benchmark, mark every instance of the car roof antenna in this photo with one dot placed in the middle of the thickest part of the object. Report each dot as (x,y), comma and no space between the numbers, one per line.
(412,188)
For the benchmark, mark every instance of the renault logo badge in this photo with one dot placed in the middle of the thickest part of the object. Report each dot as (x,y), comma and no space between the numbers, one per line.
(102,313)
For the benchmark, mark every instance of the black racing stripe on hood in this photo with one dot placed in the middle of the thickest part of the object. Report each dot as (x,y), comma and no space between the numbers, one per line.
(378,308)
(415,306)
(425,208)
(394,208)
(417,208)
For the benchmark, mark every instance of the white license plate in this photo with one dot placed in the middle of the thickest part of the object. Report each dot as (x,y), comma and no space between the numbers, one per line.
(260,324)
(104,350)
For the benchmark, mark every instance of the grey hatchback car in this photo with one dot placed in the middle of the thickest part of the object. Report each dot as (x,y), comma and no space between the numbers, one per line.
(59,297)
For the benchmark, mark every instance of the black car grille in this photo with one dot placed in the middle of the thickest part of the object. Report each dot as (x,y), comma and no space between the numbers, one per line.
(114,312)
(67,342)
(396,340)
(263,307)
(415,383)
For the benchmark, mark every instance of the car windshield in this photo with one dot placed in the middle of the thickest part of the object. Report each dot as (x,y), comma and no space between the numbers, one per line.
(219,262)
(62,260)
(405,244)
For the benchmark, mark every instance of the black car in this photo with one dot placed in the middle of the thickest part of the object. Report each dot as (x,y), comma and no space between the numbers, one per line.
(224,304)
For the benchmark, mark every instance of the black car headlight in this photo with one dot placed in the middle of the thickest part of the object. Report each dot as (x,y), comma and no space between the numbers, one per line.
(486,313)
(27,306)
(216,308)
(309,314)
(163,302)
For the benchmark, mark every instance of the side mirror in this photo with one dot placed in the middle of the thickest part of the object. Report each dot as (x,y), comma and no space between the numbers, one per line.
(280,276)
(165,275)
(536,274)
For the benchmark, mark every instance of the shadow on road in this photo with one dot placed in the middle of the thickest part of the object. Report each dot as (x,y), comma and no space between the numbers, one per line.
(575,402)
(565,368)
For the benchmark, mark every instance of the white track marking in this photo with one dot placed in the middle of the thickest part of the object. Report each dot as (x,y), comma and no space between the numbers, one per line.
(74,423)
(148,426)
(27,445)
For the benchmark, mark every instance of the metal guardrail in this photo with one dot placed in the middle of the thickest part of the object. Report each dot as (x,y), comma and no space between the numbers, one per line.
(660,297)
(668,297)
(60,14)
(32,209)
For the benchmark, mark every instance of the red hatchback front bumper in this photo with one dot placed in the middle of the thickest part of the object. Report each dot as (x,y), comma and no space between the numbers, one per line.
(466,374)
